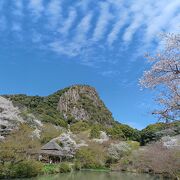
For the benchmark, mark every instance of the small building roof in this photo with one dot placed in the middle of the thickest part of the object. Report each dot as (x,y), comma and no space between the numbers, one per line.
(52,145)
(52,148)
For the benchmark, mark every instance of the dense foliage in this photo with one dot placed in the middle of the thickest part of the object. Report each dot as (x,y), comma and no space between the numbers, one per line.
(42,107)
(88,158)
(79,127)
(95,131)
(15,154)
(155,131)
(97,111)
(23,169)
(123,132)
(64,167)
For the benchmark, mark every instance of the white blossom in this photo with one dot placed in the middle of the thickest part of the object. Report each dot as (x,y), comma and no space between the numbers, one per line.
(164,75)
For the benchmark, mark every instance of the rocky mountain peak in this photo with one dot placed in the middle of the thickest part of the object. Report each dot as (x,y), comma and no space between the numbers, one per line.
(82,102)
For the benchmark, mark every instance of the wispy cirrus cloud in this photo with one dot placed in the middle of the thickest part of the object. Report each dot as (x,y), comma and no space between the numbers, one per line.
(113,35)
(101,31)
(83,27)
(54,13)
(103,21)
(67,24)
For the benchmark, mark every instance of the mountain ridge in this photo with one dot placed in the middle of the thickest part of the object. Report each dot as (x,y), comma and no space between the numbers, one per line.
(65,106)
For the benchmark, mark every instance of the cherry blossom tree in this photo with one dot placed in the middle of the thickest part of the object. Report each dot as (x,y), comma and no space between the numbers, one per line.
(164,76)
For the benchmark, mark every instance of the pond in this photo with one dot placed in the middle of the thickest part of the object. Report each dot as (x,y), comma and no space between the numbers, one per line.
(95,175)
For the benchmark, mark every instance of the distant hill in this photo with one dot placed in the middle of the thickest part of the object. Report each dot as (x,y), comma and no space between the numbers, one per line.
(66,106)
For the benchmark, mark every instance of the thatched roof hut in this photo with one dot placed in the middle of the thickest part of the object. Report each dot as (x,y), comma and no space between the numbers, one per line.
(52,149)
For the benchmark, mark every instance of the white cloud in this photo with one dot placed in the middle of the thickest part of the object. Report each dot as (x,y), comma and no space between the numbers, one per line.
(83,28)
(67,24)
(132,28)
(113,35)
(54,11)
(103,21)
(160,21)
(70,49)
(78,28)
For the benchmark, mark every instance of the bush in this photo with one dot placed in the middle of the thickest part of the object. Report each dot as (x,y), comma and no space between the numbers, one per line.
(79,126)
(123,132)
(149,133)
(24,169)
(88,159)
(64,168)
(50,169)
(116,132)
(77,166)
(29,168)
(95,132)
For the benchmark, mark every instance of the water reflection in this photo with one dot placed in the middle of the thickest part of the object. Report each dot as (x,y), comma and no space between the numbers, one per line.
(93,175)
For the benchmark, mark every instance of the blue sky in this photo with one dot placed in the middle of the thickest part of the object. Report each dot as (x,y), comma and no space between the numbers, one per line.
(46,45)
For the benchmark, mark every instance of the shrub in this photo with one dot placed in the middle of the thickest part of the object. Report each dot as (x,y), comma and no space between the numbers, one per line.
(87,158)
(149,133)
(154,132)
(116,132)
(64,168)
(23,169)
(28,168)
(123,132)
(50,169)
(79,126)
(77,166)
(18,144)
(95,132)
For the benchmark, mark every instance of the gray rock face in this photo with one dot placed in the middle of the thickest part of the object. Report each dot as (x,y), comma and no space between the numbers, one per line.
(9,115)
(82,102)
(68,104)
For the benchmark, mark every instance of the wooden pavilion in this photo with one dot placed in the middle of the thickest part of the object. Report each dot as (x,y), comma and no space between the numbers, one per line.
(51,153)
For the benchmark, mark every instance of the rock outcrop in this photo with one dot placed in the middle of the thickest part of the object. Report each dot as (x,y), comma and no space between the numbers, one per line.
(82,102)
